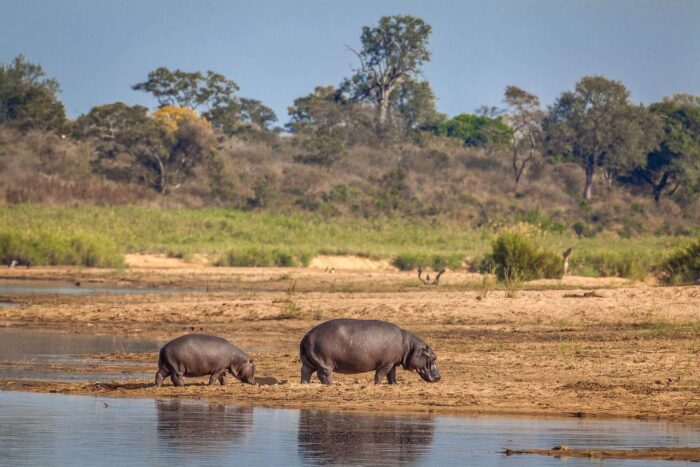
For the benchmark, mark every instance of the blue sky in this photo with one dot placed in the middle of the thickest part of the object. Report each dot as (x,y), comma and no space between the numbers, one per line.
(278,50)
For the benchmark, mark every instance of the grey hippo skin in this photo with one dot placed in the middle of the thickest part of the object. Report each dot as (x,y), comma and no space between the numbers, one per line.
(356,346)
(201,355)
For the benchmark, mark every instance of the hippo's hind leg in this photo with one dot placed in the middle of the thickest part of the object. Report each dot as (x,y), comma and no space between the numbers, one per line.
(160,376)
(178,379)
(306,372)
(325,376)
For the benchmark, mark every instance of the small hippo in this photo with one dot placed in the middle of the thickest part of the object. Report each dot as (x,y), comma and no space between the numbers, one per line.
(355,346)
(201,355)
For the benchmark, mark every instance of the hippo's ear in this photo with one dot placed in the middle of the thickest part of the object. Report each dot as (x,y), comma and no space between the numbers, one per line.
(250,360)
(428,352)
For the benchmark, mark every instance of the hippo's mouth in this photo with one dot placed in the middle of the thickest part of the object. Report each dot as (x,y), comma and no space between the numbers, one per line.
(430,375)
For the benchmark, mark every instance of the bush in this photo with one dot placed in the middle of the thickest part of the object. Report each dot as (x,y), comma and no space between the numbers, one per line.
(515,254)
(53,248)
(629,264)
(257,257)
(410,261)
(683,266)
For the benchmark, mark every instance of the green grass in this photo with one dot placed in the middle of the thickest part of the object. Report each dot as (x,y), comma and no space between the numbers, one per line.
(683,266)
(98,236)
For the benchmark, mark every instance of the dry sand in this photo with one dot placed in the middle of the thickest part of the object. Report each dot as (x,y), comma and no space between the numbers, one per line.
(628,350)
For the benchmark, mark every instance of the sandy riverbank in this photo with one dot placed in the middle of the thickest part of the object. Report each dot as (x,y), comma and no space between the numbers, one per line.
(629,350)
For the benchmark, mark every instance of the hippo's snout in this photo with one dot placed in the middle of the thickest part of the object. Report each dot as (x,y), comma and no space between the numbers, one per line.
(430,373)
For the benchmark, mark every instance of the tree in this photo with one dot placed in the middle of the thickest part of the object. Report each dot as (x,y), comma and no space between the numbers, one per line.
(413,103)
(392,52)
(676,162)
(256,114)
(188,89)
(327,113)
(171,117)
(318,110)
(597,127)
(524,118)
(475,130)
(212,94)
(160,152)
(29,99)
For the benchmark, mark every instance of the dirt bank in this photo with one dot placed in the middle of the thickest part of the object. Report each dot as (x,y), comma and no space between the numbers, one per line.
(628,350)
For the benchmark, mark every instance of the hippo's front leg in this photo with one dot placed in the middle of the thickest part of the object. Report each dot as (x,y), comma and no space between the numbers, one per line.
(222,378)
(382,371)
(216,376)
(391,376)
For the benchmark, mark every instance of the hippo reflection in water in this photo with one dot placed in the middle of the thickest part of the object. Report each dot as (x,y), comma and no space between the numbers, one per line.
(357,346)
(338,438)
(194,427)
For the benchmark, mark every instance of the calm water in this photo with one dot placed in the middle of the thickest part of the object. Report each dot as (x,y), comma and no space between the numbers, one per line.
(42,349)
(41,287)
(52,429)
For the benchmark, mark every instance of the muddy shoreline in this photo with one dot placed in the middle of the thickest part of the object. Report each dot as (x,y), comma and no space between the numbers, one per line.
(630,350)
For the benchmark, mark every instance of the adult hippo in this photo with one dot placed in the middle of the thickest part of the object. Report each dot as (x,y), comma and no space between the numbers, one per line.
(357,345)
(201,355)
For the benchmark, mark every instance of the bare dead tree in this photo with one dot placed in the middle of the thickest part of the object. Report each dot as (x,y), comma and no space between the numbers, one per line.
(427,280)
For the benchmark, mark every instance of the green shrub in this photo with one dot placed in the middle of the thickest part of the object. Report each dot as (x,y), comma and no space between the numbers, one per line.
(257,257)
(53,248)
(410,261)
(515,252)
(683,266)
(407,261)
(629,264)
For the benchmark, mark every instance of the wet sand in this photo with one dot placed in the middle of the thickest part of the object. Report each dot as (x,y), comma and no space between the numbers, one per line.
(629,350)
(658,454)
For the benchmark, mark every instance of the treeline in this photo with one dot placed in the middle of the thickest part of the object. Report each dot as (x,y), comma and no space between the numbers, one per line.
(373,144)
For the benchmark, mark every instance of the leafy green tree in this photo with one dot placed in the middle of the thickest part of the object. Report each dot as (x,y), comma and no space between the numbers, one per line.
(211,93)
(597,127)
(413,103)
(29,99)
(475,130)
(319,110)
(392,52)
(676,162)
(524,118)
(188,89)
(131,146)
(326,113)
(257,114)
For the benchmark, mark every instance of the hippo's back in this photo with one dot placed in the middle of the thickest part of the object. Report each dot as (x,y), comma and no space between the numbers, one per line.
(197,354)
(348,327)
(196,341)
(352,344)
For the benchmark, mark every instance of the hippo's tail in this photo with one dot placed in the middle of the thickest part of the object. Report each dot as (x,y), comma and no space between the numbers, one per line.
(302,353)
(161,358)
